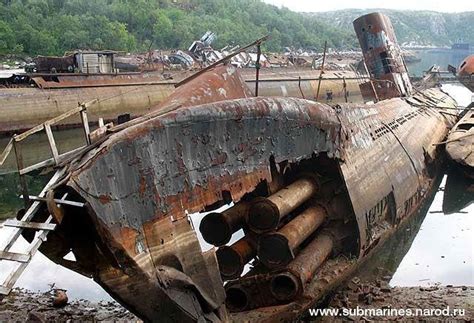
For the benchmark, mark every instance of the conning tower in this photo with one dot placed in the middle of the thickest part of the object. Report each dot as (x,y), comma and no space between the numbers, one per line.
(383,59)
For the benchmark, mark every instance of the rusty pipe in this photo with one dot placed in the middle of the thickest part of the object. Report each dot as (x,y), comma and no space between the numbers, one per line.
(288,284)
(277,249)
(237,298)
(265,213)
(232,259)
(217,228)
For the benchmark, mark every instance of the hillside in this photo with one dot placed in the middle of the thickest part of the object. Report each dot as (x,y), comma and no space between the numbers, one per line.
(427,28)
(51,27)
(54,26)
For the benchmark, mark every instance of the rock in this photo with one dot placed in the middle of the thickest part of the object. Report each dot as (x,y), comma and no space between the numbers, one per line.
(387,278)
(35,317)
(60,299)
(369,299)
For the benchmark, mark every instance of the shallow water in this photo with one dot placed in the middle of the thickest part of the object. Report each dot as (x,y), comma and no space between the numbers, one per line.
(442,251)
(440,57)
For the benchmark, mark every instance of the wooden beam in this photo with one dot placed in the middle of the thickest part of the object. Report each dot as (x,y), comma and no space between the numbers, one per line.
(13,256)
(85,126)
(52,143)
(19,164)
(29,225)
(58,201)
(6,152)
(50,161)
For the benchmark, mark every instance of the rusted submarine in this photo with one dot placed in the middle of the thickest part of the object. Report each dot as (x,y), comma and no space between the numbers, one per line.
(460,141)
(316,189)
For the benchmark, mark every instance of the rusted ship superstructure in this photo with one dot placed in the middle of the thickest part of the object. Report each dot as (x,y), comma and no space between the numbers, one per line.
(465,72)
(316,189)
(136,94)
(460,141)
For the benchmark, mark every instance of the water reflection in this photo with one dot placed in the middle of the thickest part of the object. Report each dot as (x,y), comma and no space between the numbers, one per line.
(440,57)
(34,150)
(459,191)
(442,251)
(41,272)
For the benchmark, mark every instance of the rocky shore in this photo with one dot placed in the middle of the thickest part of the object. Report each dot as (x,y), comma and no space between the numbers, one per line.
(379,296)
(26,306)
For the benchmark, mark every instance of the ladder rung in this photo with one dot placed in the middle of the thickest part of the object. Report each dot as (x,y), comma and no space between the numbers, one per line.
(58,201)
(4,290)
(29,225)
(13,256)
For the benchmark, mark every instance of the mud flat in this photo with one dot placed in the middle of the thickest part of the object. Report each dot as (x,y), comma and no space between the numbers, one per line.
(23,305)
(378,295)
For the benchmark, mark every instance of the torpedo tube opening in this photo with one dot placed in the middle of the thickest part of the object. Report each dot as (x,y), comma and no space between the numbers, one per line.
(272,243)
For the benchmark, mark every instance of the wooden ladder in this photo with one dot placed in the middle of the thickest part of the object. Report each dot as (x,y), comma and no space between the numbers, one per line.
(43,229)
(33,203)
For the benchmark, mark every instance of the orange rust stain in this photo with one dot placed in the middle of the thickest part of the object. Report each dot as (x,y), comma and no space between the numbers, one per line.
(104,199)
(126,237)
(196,199)
(142,187)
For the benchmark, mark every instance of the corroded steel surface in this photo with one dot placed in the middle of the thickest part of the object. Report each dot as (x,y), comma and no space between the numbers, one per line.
(24,108)
(279,248)
(460,142)
(266,213)
(150,175)
(138,94)
(383,58)
(217,228)
(58,81)
(290,283)
(466,72)
(232,259)
(211,141)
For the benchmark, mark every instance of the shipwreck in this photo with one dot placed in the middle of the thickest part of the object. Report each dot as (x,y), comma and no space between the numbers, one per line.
(316,188)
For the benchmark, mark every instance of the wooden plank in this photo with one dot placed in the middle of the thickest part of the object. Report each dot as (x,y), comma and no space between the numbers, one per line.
(13,256)
(50,161)
(15,274)
(28,133)
(52,143)
(19,165)
(29,214)
(4,290)
(29,225)
(6,152)
(58,201)
(85,125)
(54,120)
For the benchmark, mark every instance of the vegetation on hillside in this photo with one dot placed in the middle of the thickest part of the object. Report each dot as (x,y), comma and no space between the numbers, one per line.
(51,27)
(54,26)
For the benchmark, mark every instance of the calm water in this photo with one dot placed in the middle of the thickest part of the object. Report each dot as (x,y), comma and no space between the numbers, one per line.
(441,251)
(440,57)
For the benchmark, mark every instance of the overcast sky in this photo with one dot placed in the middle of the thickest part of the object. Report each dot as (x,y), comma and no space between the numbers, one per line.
(327,5)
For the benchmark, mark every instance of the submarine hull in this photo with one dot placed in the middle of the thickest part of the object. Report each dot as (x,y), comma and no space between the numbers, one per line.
(220,145)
